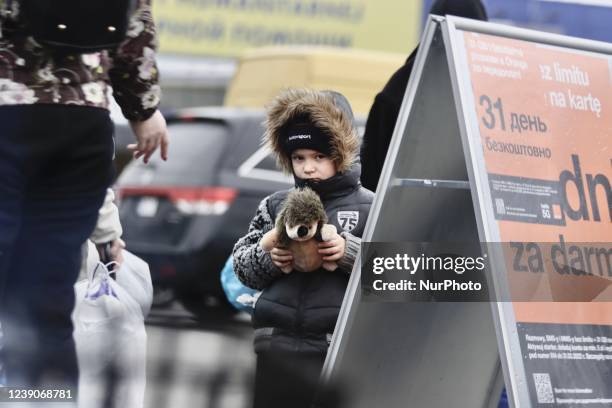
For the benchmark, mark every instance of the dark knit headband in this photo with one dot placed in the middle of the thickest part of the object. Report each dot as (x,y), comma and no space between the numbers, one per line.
(305,136)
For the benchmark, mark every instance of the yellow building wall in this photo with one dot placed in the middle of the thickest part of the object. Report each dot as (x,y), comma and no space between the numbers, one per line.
(224,28)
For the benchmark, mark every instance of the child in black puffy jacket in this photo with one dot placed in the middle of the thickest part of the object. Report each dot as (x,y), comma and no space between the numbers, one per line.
(313,137)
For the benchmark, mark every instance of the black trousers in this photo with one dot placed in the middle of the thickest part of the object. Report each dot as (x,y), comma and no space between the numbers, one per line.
(286,379)
(55,166)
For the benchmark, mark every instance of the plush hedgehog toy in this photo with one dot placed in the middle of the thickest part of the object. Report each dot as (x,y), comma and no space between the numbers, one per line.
(300,226)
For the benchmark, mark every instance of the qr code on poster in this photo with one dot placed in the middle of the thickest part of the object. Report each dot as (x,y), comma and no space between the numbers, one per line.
(544,390)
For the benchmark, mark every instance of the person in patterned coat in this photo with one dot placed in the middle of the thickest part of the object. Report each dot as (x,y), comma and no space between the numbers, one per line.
(313,138)
(56,151)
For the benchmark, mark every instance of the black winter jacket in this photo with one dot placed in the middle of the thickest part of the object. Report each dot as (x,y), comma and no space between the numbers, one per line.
(298,311)
(381,122)
(385,110)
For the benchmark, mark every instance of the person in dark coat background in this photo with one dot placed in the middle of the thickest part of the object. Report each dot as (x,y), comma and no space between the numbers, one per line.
(386,107)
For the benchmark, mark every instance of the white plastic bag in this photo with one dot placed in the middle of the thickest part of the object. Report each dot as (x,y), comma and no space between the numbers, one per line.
(109,332)
(135,277)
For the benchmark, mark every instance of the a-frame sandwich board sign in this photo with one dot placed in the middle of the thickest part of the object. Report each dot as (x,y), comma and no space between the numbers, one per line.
(504,136)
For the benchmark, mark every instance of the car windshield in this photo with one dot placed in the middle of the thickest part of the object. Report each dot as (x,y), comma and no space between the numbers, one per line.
(193,157)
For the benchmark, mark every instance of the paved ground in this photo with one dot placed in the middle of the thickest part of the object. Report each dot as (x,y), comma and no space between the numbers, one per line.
(198,365)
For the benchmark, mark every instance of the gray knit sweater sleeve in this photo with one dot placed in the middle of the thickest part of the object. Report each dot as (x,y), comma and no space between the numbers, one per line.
(252,264)
(351,249)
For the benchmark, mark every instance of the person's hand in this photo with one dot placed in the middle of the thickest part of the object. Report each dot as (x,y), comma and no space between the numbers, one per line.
(116,251)
(332,250)
(150,133)
(281,257)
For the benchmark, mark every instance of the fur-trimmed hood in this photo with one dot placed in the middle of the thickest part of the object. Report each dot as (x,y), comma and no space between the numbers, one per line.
(325,112)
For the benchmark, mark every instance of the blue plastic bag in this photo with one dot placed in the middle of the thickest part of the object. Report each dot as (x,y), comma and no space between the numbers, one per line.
(503,400)
(234,289)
